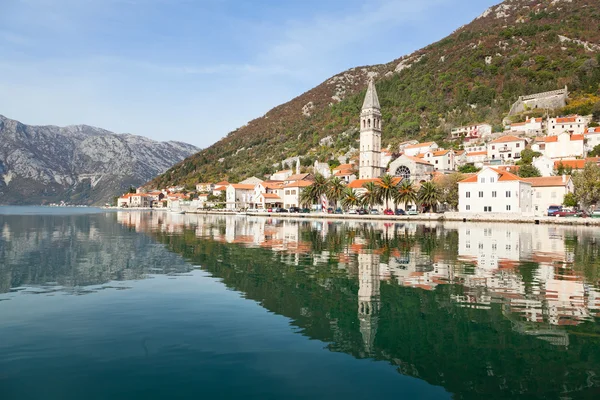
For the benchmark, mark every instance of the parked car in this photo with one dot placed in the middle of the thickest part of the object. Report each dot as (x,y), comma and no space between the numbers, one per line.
(552,210)
(280,210)
(399,211)
(305,211)
(353,211)
(595,213)
(269,210)
(338,211)
(412,211)
(294,209)
(565,212)
(374,212)
(362,211)
(388,211)
(330,210)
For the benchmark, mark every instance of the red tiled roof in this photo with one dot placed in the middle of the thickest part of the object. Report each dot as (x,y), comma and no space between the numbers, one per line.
(242,186)
(416,146)
(222,183)
(270,196)
(298,184)
(298,177)
(345,172)
(507,139)
(548,181)
(417,160)
(576,164)
(477,153)
(565,120)
(504,176)
(343,167)
(593,130)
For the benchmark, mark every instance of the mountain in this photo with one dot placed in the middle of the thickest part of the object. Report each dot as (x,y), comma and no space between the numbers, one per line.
(77,164)
(474,75)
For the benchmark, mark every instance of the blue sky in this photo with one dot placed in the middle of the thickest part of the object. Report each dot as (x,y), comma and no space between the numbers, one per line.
(194,70)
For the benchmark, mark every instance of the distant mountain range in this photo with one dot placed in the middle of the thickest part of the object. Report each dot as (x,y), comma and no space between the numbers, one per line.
(77,164)
(474,75)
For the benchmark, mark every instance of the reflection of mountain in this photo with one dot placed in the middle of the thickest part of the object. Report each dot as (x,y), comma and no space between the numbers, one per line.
(75,251)
(473,352)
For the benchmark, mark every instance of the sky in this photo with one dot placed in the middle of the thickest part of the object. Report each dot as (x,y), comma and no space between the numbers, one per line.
(194,70)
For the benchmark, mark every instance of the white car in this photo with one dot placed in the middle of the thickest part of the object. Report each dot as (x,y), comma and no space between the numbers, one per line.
(353,211)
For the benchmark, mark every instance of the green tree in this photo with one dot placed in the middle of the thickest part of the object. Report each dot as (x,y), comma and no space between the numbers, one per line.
(468,169)
(335,190)
(527,157)
(587,185)
(595,151)
(562,169)
(372,196)
(596,111)
(387,187)
(570,200)
(529,171)
(350,198)
(312,194)
(131,189)
(429,195)
(406,193)
(448,189)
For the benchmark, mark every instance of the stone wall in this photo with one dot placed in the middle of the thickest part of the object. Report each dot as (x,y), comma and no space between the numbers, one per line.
(547,100)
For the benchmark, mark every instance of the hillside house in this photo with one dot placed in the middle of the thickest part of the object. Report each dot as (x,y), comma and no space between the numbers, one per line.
(494,191)
(270,188)
(575,165)
(561,146)
(442,160)
(531,126)
(239,196)
(204,187)
(471,132)
(322,168)
(505,149)
(592,138)
(281,175)
(420,148)
(573,124)
(477,158)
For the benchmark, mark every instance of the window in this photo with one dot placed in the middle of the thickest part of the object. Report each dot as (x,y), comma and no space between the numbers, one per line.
(468,195)
(287,192)
(493,194)
(482,180)
(480,194)
(509,155)
(508,208)
(468,208)
(487,209)
(492,179)
(518,145)
(538,195)
(493,147)
(436,161)
(508,193)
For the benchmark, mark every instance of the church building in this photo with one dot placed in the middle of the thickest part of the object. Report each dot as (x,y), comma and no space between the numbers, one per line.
(370,136)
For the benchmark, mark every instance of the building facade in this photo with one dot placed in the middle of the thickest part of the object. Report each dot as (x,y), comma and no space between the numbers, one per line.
(506,149)
(561,146)
(370,135)
(420,148)
(548,191)
(573,123)
(494,191)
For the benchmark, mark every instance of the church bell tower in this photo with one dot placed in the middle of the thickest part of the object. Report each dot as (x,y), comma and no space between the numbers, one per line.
(370,135)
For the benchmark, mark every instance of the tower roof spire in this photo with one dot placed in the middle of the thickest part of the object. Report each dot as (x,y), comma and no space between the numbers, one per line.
(371,99)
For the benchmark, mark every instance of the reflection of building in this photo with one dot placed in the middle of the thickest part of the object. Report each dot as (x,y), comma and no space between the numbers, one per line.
(368,297)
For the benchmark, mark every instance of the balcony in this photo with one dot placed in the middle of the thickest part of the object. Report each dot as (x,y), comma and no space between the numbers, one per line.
(504,149)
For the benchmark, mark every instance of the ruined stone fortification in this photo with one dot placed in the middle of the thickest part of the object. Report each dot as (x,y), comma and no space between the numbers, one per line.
(547,100)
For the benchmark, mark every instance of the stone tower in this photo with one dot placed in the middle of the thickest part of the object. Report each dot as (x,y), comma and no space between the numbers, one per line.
(370,135)
(368,298)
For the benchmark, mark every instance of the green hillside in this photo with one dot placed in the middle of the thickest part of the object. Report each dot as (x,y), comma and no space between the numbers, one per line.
(474,75)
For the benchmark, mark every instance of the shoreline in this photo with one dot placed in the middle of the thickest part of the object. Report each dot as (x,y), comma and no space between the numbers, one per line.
(427,217)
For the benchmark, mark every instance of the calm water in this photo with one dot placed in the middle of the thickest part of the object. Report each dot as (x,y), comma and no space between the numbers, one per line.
(141,305)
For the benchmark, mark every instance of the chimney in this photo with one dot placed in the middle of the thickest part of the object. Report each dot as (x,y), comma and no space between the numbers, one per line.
(564,180)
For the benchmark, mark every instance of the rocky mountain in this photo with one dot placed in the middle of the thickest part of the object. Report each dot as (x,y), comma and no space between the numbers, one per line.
(77,164)
(474,75)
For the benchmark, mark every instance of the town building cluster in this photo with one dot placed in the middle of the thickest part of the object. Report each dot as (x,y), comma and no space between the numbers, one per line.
(496,188)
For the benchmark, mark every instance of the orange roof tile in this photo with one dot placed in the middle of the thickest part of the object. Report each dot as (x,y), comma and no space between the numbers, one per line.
(417,160)
(222,183)
(565,120)
(270,196)
(416,146)
(507,139)
(593,130)
(576,164)
(477,153)
(298,184)
(343,167)
(346,172)
(298,177)
(547,181)
(504,176)
(242,186)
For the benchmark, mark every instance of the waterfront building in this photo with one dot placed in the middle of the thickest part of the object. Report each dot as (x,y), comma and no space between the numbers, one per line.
(239,195)
(412,168)
(292,192)
(549,191)
(370,135)
(496,191)
(572,124)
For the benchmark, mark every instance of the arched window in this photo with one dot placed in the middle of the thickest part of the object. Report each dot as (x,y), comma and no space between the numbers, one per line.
(364,123)
(369,123)
(403,171)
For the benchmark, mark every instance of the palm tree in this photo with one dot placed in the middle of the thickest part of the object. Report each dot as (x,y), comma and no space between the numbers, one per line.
(371,196)
(312,194)
(429,195)
(387,187)
(350,198)
(335,190)
(406,193)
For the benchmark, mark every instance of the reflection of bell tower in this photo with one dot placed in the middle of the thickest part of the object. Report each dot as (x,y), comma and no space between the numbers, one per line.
(368,298)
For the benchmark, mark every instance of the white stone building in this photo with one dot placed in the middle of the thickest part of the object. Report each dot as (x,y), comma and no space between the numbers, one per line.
(442,160)
(322,168)
(292,192)
(420,148)
(370,135)
(549,191)
(281,175)
(239,195)
(592,138)
(205,187)
(494,191)
(544,164)
(530,126)
(477,158)
(561,146)
(506,148)
(412,168)
(573,123)
(471,132)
